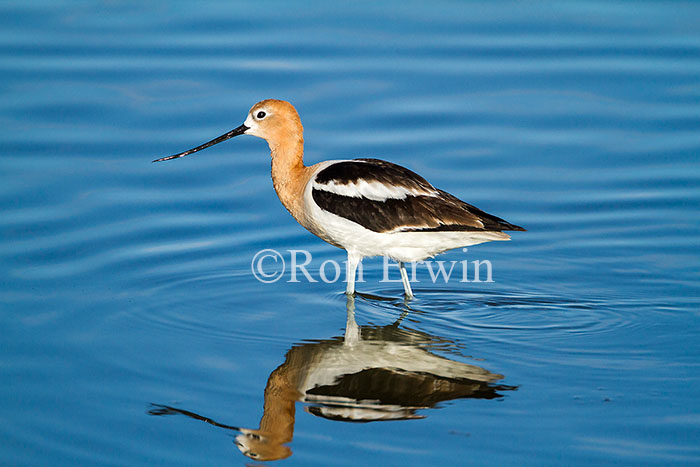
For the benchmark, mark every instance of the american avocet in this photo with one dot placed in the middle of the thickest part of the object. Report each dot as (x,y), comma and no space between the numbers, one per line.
(368,207)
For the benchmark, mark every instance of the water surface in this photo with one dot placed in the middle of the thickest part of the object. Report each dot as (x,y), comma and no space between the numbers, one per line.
(134,332)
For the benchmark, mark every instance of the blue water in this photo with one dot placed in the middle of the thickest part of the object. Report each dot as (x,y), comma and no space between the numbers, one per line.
(134,332)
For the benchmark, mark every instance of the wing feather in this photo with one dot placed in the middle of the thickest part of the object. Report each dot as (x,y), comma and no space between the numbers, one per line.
(385,197)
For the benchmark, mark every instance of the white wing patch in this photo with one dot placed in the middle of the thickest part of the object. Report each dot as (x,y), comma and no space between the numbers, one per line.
(373,190)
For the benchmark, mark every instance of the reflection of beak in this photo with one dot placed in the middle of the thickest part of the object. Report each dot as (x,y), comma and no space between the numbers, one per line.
(235,132)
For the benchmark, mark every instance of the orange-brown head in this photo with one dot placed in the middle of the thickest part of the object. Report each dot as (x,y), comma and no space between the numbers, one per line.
(273,120)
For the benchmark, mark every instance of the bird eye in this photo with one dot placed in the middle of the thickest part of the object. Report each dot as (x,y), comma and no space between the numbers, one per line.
(261,115)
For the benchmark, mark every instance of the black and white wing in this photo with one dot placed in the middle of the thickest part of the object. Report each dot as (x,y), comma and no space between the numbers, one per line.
(385,197)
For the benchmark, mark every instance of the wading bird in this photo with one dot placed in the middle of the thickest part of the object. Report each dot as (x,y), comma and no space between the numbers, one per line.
(368,207)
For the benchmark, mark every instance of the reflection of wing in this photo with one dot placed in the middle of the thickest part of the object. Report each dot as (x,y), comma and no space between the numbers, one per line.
(386,374)
(391,394)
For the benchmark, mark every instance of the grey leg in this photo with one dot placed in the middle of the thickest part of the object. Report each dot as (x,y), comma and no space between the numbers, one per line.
(351,267)
(406,282)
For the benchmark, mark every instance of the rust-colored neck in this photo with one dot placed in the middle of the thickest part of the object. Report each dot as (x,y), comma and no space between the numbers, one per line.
(289,175)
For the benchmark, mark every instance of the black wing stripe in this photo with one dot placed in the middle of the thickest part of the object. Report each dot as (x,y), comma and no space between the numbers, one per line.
(373,170)
(411,214)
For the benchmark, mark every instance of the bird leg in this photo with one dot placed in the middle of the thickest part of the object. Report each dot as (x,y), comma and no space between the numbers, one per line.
(406,283)
(350,268)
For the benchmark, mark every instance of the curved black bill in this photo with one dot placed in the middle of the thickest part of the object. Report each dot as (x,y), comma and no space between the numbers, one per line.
(235,132)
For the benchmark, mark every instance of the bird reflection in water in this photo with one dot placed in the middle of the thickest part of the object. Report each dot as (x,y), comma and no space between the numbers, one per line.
(373,373)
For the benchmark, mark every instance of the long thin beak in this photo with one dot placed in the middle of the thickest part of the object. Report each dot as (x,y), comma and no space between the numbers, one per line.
(235,132)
